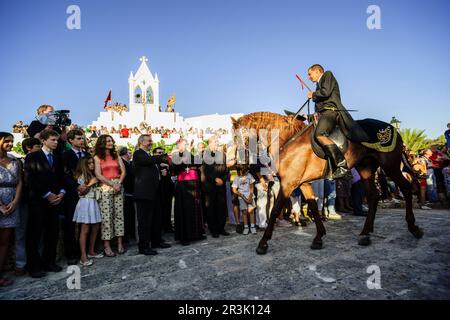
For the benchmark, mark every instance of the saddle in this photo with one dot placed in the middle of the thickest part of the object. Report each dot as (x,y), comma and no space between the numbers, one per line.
(371,133)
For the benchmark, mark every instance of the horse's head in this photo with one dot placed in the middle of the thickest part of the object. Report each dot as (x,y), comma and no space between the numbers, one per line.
(262,130)
(263,124)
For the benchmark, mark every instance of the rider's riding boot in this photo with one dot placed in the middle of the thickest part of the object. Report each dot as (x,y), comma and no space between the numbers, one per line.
(338,162)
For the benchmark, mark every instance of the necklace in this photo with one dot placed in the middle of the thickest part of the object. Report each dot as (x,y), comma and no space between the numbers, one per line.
(4,162)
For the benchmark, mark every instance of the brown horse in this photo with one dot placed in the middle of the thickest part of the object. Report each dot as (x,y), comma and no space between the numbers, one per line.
(298,165)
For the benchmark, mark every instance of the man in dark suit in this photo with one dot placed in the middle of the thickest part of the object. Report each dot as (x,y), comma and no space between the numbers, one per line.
(70,162)
(213,177)
(327,98)
(167,188)
(44,175)
(147,196)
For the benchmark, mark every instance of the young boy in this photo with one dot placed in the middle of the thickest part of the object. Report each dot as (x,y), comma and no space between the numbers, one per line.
(30,145)
(243,187)
(43,175)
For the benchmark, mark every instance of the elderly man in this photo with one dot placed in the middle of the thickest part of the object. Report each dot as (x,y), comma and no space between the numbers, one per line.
(147,195)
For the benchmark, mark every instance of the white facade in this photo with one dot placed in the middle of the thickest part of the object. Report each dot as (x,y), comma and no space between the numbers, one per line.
(143,89)
(143,106)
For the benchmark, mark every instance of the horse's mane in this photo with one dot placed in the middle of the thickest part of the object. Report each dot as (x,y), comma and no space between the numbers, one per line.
(287,125)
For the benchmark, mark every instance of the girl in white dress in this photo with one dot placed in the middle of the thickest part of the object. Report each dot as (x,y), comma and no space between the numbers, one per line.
(87,212)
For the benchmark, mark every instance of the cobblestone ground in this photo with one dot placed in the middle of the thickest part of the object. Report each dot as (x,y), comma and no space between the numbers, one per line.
(229,268)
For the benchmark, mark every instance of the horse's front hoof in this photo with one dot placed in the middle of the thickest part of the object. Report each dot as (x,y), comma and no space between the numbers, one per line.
(364,241)
(418,233)
(317,245)
(262,249)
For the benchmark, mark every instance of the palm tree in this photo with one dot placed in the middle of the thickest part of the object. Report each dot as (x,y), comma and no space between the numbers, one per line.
(414,139)
(439,141)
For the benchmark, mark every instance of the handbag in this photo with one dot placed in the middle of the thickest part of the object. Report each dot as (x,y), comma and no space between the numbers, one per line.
(98,194)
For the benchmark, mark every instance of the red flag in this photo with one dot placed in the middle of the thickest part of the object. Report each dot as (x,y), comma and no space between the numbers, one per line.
(301,81)
(108,98)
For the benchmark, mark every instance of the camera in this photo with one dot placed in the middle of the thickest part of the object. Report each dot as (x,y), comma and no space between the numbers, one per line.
(59,118)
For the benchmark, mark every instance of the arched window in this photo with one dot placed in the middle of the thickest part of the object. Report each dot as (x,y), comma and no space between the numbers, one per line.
(138,95)
(149,95)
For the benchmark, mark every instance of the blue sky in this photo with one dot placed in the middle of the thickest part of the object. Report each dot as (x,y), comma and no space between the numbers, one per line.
(227,56)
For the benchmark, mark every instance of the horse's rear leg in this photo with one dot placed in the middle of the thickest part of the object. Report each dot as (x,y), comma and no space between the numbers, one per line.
(279,204)
(368,179)
(310,197)
(405,186)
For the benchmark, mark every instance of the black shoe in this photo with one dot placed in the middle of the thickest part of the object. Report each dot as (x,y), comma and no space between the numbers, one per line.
(52,268)
(148,252)
(303,222)
(169,230)
(344,210)
(338,162)
(239,228)
(37,273)
(162,245)
(215,235)
(72,261)
(224,233)
(185,243)
(202,238)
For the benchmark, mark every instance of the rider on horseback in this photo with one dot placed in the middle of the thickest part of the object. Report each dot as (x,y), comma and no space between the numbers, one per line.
(328,105)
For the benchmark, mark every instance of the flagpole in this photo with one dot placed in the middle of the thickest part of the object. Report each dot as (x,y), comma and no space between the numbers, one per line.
(112,111)
(174,110)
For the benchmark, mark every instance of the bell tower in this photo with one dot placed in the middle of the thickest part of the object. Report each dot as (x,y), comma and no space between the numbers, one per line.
(143,90)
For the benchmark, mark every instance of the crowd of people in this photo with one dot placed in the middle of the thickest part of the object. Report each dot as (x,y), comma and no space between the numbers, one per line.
(117,107)
(20,127)
(102,191)
(127,132)
(433,172)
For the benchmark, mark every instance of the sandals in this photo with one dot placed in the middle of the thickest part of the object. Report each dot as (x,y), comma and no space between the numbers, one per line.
(87,263)
(109,254)
(96,256)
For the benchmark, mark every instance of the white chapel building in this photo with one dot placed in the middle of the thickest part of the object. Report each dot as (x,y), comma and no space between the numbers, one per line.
(143,106)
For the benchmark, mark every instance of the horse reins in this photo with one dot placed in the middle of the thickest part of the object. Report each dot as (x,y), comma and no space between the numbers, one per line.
(298,135)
